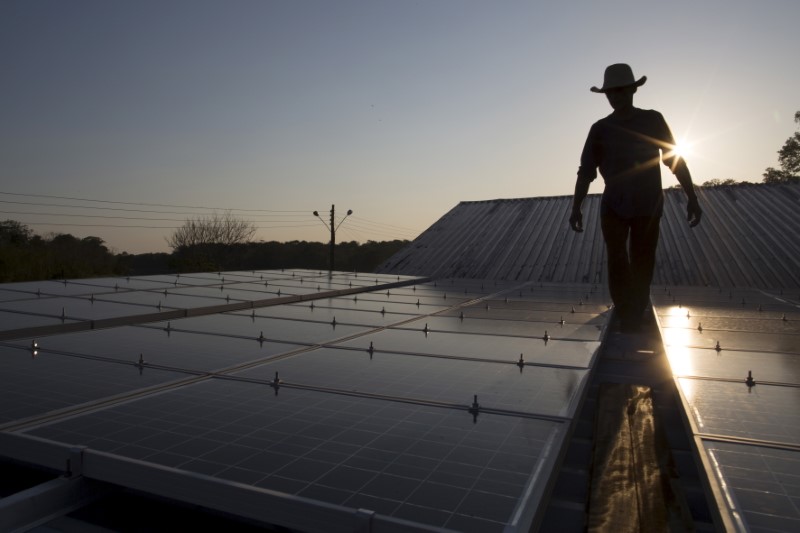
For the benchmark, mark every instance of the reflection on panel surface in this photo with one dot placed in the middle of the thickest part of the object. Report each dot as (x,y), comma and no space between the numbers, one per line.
(497,348)
(189,351)
(742,349)
(170,300)
(764,483)
(323,315)
(34,385)
(11,320)
(762,412)
(591,331)
(271,328)
(734,365)
(75,308)
(534,390)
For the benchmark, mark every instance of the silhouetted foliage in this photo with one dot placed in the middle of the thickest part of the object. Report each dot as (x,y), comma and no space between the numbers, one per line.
(789,158)
(213,229)
(350,256)
(25,256)
(774,176)
(201,243)
(145,264)
(719,183)
(14,233)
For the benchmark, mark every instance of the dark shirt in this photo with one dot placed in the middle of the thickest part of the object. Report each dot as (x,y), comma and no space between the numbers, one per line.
(628,153)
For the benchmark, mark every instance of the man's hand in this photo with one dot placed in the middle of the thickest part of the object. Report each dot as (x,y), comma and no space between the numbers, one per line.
(576,220)
(693,212)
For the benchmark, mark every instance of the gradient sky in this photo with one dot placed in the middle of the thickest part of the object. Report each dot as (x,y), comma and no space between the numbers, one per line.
(396,109)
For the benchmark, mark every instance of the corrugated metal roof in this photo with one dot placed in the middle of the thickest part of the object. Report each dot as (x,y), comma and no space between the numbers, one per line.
(749,237)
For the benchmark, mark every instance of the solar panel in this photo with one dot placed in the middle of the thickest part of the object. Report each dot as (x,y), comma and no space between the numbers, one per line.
(13,320)
(275,329)
(483,347)
(360,401)
(161,347)
(762,481)
(736,358)
(524,389)
(39,383)
(410,461)
(74,308)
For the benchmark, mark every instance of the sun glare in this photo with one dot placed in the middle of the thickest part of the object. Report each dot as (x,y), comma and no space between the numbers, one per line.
(682,148)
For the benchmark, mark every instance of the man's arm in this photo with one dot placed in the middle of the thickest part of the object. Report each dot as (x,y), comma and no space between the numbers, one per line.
(587,172)
(678,167)
(693,211)
(576,218)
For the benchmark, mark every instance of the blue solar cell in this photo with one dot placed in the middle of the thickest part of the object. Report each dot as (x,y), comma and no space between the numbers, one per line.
(554,329)
(763,412)
(735,365)
(151,299)
(74,308)
(497,348)
(324,314)
(272,328)
(762,484)
(189,351)
(530,389)
(34,385)
(324,446)
(11,320)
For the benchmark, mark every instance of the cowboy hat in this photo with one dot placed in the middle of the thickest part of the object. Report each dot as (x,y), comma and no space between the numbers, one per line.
(619,75)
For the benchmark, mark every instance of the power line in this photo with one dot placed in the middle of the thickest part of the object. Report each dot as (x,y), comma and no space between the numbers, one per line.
(109,216)
(91,216)
(297,213)
(362,224)
(71,206)
(147,204)
(386,225)
(384,231)
(278,224)
(70,224)
(95,225)
(376,228)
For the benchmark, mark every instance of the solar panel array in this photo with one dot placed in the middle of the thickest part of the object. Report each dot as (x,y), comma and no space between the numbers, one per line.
(304,400)
(735,355)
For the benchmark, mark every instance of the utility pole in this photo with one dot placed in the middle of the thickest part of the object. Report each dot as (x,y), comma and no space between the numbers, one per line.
(332,227)
(333,240)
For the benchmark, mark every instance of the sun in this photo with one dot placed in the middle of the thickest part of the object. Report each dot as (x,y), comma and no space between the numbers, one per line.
(682,148)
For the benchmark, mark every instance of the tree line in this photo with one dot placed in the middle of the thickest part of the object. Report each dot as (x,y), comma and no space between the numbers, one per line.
(26,256)
(349,256)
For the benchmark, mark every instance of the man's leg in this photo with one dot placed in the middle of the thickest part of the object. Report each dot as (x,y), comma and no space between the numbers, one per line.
(644,241)
(615,233)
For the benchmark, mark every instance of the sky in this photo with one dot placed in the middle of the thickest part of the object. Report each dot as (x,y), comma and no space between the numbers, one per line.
(121,119)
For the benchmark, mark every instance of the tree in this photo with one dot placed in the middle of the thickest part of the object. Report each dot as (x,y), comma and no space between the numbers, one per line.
(789,158)
(223,229)
(26,256)
(773,176)
(14,233)
(719,183)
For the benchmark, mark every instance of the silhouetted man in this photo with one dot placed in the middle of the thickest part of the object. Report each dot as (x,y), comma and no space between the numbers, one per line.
(627,146)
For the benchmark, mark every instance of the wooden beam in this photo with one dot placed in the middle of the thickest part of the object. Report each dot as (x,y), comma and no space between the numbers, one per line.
(633,484)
